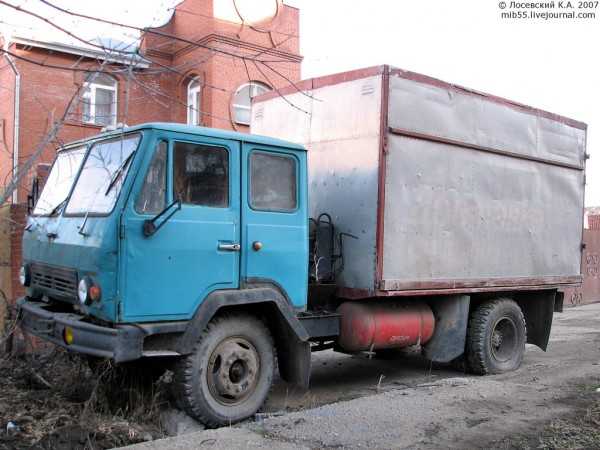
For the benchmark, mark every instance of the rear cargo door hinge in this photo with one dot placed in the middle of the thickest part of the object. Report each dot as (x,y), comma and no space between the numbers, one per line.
(122,231)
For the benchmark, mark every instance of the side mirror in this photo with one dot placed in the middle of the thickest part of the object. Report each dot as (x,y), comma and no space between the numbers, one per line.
(150,227)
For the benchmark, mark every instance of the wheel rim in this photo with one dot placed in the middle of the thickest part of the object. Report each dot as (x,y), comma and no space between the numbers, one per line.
(232,372)
(503,339)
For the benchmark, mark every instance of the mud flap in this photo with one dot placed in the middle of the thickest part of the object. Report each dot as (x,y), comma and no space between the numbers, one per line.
(451,319)
(293,357)
(538,309)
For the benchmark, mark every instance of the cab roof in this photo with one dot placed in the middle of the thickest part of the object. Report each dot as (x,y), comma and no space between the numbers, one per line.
(199,131)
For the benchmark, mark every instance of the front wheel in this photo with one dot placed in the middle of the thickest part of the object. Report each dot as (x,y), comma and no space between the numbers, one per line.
(228,376)
(496,337)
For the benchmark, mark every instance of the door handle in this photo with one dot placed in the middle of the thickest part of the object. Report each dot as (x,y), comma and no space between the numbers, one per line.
(229,247)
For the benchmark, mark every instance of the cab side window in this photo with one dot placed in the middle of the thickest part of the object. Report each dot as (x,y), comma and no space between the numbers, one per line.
(152,197)
(201,174)
(273,184)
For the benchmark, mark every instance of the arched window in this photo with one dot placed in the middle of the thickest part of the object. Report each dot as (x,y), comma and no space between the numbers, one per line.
(194,91)
(242,100)
(99,100)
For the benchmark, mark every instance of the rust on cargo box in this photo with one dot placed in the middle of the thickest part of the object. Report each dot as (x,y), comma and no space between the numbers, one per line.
(568,288)
(396,285)
(319,82)
(327,80)
(385,87)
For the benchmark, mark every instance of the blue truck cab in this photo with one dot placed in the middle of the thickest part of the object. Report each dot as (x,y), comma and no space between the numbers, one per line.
(148,238)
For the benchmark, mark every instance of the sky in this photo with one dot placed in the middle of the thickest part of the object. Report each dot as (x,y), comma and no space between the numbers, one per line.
(549,64)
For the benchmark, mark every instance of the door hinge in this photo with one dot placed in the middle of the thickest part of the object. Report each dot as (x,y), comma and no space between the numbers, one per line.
(122,231)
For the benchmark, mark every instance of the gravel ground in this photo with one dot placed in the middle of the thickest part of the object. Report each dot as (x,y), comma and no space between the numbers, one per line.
(357,403)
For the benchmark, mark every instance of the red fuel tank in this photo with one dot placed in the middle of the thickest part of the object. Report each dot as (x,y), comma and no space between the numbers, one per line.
(373,326)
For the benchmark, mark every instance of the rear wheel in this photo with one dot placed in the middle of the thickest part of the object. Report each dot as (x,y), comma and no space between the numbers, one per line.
(228,376)
(496,337)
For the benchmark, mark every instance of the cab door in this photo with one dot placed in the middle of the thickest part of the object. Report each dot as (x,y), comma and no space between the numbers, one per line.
(194,250)
(274,218)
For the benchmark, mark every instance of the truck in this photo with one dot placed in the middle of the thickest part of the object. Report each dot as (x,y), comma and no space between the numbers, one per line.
(367,212)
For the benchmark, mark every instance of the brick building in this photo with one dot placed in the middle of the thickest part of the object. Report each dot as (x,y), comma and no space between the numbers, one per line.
(198,68)
(592,218)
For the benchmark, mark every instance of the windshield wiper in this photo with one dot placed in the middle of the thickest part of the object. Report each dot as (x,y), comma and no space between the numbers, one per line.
(118,173)
(58,207)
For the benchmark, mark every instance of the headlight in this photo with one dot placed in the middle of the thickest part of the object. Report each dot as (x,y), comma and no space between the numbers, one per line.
(88,292)
(82,291)
(24,275)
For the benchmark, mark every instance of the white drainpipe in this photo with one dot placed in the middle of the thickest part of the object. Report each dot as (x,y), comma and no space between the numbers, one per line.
(15,197)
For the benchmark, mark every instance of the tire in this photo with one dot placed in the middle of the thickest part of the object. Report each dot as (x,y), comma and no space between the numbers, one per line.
(496,337)
(228,376)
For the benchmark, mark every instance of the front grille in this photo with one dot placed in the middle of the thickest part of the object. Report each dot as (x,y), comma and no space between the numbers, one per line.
(55,281)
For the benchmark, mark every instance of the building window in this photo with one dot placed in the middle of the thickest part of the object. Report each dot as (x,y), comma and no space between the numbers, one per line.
(194,91)
(99,100)
(242,100)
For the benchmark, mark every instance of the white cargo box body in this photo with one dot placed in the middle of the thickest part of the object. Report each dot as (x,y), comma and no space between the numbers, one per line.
(447,189)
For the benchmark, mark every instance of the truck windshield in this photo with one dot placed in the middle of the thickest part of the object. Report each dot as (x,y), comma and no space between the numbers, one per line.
(102,176)
(59,182)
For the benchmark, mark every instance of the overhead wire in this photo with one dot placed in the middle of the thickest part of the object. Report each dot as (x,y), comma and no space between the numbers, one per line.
(140,29)
(135,74)
(168,35)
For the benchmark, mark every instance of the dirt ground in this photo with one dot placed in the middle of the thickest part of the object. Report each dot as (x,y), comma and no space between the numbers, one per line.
(552,402)
(53,400)
(579,429)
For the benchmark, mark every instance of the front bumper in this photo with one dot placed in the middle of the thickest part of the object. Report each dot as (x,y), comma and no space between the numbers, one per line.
(122,343)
